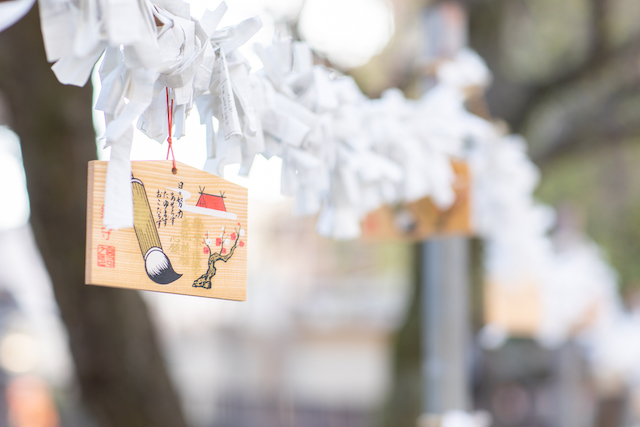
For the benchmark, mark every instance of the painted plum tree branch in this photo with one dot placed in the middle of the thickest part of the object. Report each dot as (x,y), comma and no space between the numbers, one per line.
(204,281)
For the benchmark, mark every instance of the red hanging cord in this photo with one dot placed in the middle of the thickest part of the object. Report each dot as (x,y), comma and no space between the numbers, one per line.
(169,139)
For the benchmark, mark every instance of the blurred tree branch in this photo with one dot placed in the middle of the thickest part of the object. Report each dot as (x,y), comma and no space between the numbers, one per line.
(578,103)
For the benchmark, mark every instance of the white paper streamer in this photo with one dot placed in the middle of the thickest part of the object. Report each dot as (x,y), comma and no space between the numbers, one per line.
(12,11)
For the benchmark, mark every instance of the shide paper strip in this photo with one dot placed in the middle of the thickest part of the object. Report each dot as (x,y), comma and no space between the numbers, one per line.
(118,184)
(12,11)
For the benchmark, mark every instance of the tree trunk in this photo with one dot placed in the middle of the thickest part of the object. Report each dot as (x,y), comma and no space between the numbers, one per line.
(404,404)
(119,366)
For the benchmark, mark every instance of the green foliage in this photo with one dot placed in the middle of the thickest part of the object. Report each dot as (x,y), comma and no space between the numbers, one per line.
(603,185)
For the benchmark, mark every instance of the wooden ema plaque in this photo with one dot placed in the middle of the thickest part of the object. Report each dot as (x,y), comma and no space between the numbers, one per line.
(422,219)
(518,309)
(515,308)
(189,235)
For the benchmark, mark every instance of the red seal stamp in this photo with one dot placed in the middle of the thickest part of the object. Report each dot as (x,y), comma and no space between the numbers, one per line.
(106,256)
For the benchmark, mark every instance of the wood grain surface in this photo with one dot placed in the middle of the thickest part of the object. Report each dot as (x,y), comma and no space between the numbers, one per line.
(178,217)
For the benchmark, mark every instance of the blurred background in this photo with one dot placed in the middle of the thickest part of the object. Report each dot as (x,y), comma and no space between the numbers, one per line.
(330,334)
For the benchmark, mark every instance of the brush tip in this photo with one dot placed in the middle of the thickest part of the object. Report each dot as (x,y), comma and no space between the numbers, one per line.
(158,267)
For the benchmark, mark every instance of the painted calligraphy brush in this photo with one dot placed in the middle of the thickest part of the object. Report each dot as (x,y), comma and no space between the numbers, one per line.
(156,262)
